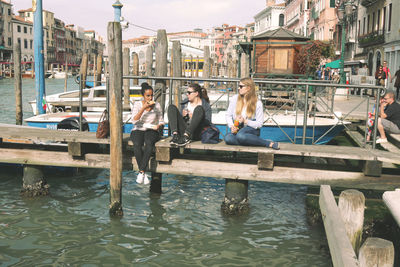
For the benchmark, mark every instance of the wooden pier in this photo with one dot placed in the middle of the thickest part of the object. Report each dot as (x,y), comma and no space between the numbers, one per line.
(36,146)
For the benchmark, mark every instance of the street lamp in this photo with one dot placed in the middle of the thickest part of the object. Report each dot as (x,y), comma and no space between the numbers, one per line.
(344,10)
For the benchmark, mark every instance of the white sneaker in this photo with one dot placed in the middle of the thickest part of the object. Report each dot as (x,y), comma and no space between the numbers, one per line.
(140,177)
(146,179)
(381,140)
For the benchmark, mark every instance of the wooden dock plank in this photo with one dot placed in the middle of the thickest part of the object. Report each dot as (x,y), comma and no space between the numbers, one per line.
(392,200)
(37,135)
(341,250)
(323,151)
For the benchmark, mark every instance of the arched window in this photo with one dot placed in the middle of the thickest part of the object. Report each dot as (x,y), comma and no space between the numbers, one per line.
(281,20)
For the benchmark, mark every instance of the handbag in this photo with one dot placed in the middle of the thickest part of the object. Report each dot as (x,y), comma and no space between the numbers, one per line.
(210,135)
(382,82)
(103,128)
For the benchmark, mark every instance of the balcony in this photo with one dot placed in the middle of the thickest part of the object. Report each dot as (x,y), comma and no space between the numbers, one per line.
(367,3)
(372,38)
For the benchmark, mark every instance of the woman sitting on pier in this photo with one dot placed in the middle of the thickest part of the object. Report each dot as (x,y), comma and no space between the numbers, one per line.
(147,119)
(245,117)
(196,114)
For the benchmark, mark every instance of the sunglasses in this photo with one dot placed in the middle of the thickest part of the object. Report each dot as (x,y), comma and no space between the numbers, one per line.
(241,86)
(189,92)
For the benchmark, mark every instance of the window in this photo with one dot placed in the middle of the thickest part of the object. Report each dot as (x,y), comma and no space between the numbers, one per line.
(18,28)
(332,3)
(9,11)
(9,41)
(368,23)
(363,26)
(384,20)
(373,22)
(390,18)
(25,30)
(30,30)
(31,44)
(379,20)
(281,20)
(19,41)
(359,25)
(25,44)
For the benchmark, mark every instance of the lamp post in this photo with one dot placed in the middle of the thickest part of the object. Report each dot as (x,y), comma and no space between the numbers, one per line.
(344,10)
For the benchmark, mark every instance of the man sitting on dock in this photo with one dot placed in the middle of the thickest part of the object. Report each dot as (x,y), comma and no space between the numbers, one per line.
(389,120)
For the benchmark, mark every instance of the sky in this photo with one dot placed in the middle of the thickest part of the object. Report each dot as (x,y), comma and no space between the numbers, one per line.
(171,15)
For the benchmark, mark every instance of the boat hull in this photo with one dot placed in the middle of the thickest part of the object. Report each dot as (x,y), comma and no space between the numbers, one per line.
(289,134)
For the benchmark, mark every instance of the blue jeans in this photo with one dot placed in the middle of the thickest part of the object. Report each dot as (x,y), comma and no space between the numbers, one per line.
(247,136)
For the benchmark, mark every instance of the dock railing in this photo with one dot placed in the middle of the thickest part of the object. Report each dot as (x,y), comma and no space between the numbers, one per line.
(306,100)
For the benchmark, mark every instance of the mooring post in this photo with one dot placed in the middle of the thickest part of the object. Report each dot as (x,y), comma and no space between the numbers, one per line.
(376,252)
(161,65)
(99,69)
(125,71)
(83,70)
(18,84)
(115,59)
(176,70)
(206,65)
(135,67)
(236,197)
(155,184)
(33,182)
(149,62)
(372,168)
(351,208)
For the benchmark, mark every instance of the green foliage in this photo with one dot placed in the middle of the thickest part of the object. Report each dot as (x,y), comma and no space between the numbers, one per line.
(311,54)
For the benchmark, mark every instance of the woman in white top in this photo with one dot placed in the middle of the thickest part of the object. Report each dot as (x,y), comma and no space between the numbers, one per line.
(147,119)
(245,117)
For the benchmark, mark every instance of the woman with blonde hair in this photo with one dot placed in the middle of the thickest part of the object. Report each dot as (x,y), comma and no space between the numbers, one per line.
(245,117)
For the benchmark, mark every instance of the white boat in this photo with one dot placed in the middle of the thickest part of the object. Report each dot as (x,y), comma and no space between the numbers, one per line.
(282,127)
(94,99)
(59,75)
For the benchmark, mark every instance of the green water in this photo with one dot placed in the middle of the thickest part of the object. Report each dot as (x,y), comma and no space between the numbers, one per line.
(181,227)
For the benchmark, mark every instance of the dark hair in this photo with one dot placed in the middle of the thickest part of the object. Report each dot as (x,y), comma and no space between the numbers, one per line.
(145,86)
(202,91)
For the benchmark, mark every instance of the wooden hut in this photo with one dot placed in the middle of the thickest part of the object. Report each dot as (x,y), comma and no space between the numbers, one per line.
(275,53)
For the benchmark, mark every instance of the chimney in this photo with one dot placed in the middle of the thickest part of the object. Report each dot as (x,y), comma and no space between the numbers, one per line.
(271,3)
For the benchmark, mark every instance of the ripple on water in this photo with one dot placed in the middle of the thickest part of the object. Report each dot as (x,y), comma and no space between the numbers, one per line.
(184,226)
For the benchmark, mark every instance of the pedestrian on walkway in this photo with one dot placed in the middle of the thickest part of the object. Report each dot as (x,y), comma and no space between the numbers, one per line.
(387,72)
(397,83)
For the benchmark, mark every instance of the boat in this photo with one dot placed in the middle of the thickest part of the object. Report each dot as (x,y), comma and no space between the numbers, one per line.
(281,127)
(94,99)
(59,74)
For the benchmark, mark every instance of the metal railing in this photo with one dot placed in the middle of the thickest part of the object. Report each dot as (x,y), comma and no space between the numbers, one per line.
(306,100)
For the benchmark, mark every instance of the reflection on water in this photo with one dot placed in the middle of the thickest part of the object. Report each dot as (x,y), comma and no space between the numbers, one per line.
(181,227)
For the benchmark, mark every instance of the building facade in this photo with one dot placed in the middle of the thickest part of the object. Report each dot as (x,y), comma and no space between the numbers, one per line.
(6,33)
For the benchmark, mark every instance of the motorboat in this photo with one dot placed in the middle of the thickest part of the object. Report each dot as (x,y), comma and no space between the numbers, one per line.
(281,127)
(93,99)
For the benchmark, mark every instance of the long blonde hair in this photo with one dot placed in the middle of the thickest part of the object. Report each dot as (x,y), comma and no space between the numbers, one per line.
(249,99)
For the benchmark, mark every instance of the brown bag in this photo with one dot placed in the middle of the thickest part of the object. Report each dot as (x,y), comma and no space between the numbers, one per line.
(382,82)
(103,128)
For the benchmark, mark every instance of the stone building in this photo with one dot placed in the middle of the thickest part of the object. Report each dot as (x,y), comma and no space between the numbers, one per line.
(6,45)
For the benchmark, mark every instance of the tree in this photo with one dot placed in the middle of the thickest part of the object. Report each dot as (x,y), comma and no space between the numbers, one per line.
(311,54)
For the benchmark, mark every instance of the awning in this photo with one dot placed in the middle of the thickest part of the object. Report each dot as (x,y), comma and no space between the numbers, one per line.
(333,65)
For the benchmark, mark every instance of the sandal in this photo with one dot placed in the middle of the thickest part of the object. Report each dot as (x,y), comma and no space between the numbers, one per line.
(275,146)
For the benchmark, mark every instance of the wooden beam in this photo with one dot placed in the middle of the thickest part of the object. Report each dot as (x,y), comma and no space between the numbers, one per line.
(265,161)
(392,200)
(342,252)
(75,149)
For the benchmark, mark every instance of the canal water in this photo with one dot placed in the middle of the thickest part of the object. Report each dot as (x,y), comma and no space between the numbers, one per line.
(182,227)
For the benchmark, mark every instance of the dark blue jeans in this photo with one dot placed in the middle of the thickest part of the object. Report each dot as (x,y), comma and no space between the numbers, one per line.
(246,136)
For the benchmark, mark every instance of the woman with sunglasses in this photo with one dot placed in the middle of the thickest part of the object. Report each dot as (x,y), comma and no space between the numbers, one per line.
(196,113)
(147,119)
(245,117)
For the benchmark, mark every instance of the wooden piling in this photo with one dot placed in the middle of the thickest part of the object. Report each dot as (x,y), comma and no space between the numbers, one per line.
(351,208)
(52,70)
(18,84)
(376,252)
(66,74)
(342,252)
(149,62)
(244,65)
(191,67)
(236,200)
(155,184)
(115,59)
(206,66)
(99,69)
(34,183)
(135,67)
(161,65)
(197,66)
(125,69)
(83,71)
(177,70)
